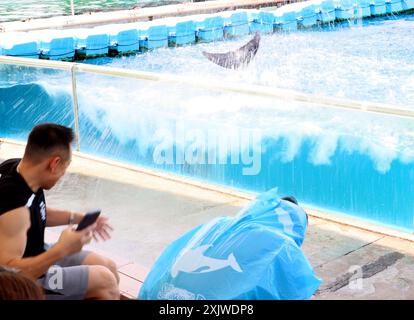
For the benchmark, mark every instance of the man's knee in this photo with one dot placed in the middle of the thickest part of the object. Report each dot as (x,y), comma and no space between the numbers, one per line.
(95,259)
(102,284)
(111,265)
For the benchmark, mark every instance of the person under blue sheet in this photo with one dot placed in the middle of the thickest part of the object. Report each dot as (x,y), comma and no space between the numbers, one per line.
(254,255)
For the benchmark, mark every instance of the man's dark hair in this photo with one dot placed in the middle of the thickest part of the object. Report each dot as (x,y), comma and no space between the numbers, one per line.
(46,139)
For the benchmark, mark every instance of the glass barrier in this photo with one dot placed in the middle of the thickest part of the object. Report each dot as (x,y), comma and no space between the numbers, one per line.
(346,162)
(340,161)
(29,96)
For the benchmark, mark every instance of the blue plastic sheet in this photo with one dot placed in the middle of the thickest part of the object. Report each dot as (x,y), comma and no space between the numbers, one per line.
(254,255)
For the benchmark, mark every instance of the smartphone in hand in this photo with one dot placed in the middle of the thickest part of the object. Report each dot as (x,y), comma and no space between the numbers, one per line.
(89,219)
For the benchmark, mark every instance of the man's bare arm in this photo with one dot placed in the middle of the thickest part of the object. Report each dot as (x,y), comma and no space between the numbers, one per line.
(38,265)
(57,217)
(13,237)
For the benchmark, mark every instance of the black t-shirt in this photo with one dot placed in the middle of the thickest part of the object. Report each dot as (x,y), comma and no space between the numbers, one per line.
(15,193)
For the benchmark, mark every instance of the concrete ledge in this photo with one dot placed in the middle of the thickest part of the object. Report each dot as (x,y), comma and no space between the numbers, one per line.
(360,224)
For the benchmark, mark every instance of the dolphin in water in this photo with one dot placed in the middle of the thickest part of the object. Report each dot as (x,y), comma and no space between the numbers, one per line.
(237,58)
(194,261)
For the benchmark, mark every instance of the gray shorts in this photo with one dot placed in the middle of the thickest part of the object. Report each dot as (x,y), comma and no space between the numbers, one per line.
(67,279)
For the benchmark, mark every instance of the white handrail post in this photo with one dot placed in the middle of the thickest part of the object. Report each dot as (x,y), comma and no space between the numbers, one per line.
(75,107)
(72,7)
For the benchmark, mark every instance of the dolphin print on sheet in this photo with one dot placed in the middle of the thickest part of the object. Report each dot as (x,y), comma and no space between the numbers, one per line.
(255,254)
(194,261)
(236,59)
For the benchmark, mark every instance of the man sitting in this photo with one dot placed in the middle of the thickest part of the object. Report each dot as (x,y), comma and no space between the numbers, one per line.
(64,270)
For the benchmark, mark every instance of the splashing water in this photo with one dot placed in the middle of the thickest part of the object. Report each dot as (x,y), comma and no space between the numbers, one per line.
(11,10)
(371,60)
(350,162)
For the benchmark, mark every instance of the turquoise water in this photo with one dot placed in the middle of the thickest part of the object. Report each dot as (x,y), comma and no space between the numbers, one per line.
(344,162)
(24,9)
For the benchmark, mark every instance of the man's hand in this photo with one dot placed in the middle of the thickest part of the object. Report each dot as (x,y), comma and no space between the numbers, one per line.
(102,229)
(72,241)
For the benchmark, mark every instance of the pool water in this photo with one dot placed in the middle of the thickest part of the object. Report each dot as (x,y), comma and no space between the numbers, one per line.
(11,10)
(343,162)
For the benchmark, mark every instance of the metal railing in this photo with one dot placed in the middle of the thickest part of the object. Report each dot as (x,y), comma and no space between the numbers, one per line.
(228,87)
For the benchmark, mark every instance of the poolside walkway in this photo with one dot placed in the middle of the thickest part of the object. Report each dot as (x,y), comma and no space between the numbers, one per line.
(137,14)
(148,212)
